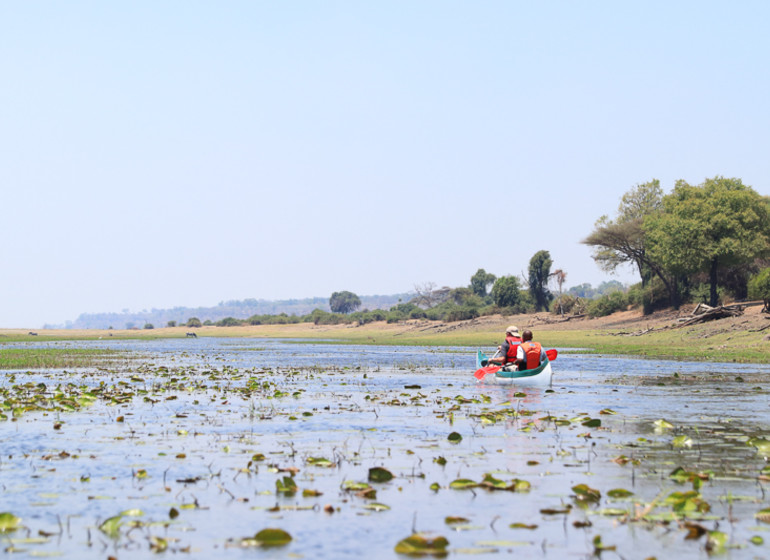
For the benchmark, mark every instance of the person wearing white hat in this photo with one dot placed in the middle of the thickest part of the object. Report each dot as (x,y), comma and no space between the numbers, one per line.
(506,352)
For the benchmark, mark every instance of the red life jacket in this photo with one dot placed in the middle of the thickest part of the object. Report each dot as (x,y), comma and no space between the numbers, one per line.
(513,347)
(532,350)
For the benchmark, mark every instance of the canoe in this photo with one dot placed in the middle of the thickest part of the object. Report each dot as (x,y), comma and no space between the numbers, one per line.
(540,376)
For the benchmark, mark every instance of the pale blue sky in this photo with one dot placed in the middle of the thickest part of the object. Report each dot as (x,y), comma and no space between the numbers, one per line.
(156,154)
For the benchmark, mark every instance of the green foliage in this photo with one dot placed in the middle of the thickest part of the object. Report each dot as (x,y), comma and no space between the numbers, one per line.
(506,291)
(570,305)
(539,271)
(653,295)
(759,286)
(607,304)
(281,319)
(229,322)
(480,282)
(344,302)
(708,227)
(171,324)
(148,326)
(321,317)
(193,322)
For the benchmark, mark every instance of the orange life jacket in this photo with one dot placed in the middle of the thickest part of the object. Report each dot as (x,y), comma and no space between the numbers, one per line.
(532,350)
(513,347)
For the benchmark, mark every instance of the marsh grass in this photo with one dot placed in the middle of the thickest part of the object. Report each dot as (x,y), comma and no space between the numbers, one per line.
(50,358)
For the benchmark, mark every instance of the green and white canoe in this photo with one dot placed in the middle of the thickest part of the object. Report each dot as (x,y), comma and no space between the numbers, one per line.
(540,376)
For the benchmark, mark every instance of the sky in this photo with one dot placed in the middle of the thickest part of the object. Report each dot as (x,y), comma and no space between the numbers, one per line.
(184,153)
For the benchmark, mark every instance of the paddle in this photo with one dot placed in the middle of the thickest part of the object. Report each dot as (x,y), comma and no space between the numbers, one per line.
(481,372)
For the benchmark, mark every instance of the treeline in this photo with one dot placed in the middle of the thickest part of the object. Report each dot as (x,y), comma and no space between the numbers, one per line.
(707,242)
(239,309)
(506,296)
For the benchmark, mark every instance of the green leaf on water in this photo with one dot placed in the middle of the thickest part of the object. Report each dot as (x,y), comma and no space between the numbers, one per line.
(662,425)
(286,485)
(585,493)
(269,537)
(716,541)
(757,540)
(682,441)
(375,506)
(352,486)
(462,484)
(9,522)
(320,462)
(380,474)
(422,544)
(308,493)
(454,520)
(592,423)
(454,437)
(111,526)
(522,526)
(762,445)
(763,515)
(440,460)
(435,486)
(599,546)
(607,411)
(619,493)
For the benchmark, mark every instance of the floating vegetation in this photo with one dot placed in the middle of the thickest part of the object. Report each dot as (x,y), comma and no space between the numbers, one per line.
(184,451)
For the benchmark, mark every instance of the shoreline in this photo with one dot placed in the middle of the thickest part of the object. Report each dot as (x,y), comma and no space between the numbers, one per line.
(737,339)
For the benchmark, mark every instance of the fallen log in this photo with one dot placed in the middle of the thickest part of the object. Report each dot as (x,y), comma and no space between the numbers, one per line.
(703,313)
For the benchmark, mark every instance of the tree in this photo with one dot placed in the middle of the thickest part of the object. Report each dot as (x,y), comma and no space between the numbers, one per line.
(506,291)
(344,302)
(171,324)
(427,295)
(193,322)
(708,227)
(560,277)
(623,240)
(481,281)
(539,271)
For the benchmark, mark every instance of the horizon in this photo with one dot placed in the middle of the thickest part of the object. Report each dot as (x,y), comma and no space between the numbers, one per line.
(156,154)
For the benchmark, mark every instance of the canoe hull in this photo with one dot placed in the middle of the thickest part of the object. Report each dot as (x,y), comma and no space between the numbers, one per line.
(538,377)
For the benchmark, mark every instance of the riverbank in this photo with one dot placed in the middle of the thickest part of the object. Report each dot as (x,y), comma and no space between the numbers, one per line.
(739,339)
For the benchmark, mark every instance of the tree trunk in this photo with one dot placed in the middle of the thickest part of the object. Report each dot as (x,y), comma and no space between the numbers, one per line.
(713,279)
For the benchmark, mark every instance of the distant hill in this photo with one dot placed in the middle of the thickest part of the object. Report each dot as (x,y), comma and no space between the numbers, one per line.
(239,309)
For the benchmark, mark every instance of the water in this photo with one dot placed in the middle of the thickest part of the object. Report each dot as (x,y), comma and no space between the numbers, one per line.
(192,414)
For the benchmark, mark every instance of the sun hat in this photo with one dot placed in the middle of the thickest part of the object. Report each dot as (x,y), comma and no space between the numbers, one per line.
(514,330)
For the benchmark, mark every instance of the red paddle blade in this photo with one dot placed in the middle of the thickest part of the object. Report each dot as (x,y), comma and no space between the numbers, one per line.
(552,354)
(481,372)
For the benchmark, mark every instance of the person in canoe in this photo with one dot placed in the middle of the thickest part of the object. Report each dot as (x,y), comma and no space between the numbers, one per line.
(530,354)
(508,350)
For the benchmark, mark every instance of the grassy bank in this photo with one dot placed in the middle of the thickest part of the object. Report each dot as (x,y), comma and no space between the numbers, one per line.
(724,340)
(57,358)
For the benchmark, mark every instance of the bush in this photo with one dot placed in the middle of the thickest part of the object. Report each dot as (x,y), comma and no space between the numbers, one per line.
(607,304)
(759,287)
(229,322)
(149,326)
(570,305)
(193,322)
(462,313)
(171,324)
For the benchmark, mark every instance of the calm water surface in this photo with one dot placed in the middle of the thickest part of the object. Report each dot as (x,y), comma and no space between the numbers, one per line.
(180,430)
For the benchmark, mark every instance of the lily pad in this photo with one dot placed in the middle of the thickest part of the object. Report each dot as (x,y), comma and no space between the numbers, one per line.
(422,544)
(9,522)
(380,474)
